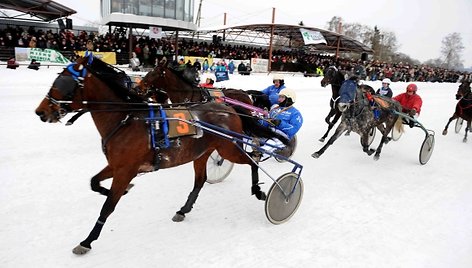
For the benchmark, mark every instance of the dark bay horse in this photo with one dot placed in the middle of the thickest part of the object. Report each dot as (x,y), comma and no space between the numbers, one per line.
(358,117)
(182,87)
(122,121)
(463,107)
(335,78)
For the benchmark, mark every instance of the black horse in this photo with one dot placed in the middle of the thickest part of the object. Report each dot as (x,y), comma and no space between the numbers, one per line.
(358,116)
(335,78)
(463,107)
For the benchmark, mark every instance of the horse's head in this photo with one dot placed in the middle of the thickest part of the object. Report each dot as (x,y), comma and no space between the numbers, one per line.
(62,96)
(463,90)
(348,94)
(329,77)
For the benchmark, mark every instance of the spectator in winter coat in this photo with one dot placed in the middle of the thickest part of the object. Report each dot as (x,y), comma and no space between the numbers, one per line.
(385,90)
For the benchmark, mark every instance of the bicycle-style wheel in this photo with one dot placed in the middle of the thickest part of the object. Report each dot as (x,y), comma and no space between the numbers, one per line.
(218,168)
(280,203)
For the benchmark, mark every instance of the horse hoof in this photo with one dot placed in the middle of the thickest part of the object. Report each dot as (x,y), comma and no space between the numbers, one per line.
(464,140)
(261,196)
(376,157)
(370,152)
(322,139)
(347,134)
(315,155)
(444,132)
(178,217)
(80,250)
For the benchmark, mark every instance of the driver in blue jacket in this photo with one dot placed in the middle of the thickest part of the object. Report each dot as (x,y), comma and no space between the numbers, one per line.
(284,119)
(272,91)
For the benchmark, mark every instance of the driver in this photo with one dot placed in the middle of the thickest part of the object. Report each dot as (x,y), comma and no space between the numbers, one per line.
(284,119)
(411,102)
(272,91)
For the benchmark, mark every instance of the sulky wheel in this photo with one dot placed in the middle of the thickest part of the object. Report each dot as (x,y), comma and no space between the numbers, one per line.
(281,204)
(396,134)
(218,168)
(427,149)
(371,136)
(459,122)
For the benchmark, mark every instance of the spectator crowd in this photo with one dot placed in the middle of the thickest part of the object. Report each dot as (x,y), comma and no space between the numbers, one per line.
(148,51)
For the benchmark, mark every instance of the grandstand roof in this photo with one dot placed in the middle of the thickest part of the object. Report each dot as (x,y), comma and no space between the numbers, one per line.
(287,35)
(45,10)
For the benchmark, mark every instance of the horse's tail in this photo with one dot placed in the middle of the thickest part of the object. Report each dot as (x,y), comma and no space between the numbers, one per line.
(399,125)
(251,126)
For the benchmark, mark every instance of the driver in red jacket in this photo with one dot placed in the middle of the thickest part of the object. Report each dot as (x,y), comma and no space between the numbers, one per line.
(411,102)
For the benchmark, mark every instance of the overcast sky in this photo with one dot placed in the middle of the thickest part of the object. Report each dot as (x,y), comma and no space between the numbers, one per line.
(420,25)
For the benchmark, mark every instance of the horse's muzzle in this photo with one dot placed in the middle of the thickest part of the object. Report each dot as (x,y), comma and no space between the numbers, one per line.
(343,107)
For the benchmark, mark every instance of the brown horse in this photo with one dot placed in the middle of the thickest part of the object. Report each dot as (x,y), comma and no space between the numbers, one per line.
(463,107)
(123,123)
(181,86)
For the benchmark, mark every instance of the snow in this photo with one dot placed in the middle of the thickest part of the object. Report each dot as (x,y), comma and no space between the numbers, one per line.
(356,212)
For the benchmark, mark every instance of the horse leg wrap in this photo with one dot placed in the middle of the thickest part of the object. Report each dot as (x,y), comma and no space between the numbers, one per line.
(256,190)
(192,197)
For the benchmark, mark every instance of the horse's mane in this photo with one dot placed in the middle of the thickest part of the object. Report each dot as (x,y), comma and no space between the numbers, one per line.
(114,78)
(180,72)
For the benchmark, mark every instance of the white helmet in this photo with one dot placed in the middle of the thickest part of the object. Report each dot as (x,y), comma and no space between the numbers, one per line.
(289,93)
(278,77)
(387,81)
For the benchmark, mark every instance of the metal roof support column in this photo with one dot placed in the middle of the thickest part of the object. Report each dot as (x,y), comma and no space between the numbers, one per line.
(130,42)
(337,47)
(269,67)
(176,45)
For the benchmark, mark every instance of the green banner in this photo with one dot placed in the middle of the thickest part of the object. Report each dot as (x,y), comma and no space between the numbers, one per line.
(49,55)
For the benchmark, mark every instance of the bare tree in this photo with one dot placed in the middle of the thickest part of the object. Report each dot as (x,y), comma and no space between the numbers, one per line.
(333,24)
(451,51)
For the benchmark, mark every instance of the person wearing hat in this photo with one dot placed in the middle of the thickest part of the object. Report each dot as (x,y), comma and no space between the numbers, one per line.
(385,90)
(411,102)
(284,119)
(273,90)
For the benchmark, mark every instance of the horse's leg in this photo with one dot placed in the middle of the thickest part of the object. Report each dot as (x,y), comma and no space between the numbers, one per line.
(448,122)
(339,130)
(330,114)
(385,139)
(330,126)
(106,173)
(199,166)
(466,131)
(365,143)
(119,185)
(256,189)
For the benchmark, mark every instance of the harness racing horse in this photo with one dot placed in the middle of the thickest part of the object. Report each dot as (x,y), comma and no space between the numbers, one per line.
(181,87)
(358,117)
(463,107)
(123,124)
(333,77)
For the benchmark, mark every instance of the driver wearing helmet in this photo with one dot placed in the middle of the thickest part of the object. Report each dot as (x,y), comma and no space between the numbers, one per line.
(411,102)
(385,90)
(284,119)
(272,91)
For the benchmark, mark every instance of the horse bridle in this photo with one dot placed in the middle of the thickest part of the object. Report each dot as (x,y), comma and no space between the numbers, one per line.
(67,86)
